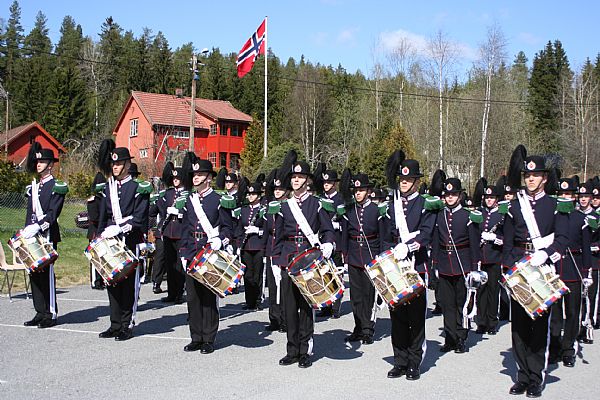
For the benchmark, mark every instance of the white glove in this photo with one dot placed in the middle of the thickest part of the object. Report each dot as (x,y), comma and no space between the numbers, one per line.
(276,272)
(126,228)
(488,236)
(251,229)
(183,263)
(327,250)
(238,252)
(538,258)
(336,225)
(111,231)
(173,211)
(215,243)
(264,260)
(594,249)
(30,231)
(587,282)
(400,251)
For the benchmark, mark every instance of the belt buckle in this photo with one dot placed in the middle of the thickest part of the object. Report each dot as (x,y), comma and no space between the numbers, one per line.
(360,239)
(299,240)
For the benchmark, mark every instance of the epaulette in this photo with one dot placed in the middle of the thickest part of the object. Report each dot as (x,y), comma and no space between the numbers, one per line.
(262,211)
(383,208)
(144,187)
(27,191)
(181,200)
(99,187)
(432,203)
(274,207)
(153,198)
(220,192)
(565,206)
(503,207)
(327,204)
(340,210)
(592,222)
(237,212)
(228,201)
(60,187)
(476,216)
(161,193)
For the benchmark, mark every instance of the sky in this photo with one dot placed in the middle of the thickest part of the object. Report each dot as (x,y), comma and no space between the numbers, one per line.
(348,32)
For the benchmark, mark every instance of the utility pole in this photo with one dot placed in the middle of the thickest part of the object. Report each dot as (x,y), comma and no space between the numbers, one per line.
(194,68)
(4,93)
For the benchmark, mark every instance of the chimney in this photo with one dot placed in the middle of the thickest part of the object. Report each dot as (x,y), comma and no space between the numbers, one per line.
(179,92)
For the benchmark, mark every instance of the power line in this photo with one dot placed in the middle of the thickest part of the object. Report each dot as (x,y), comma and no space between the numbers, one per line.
(454,99)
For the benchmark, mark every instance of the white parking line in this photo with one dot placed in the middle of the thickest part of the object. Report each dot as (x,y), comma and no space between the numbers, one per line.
(94,332)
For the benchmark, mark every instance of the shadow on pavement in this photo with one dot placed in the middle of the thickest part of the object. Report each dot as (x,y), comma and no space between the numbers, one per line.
(164,324)
(330,344)
(83,316)
(250,334)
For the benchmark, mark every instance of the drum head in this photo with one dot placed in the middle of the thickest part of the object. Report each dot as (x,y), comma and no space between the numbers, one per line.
(304,261)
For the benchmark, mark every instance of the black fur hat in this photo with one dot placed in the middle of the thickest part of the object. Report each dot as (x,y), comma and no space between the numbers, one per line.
(188,172)
(391,169)
(167,175)
(220,180)
(345,185)
(478,192)
(104,160)
(437,183)
(515,166)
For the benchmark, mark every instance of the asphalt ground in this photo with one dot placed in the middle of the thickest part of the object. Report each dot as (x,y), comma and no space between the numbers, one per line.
(70,361)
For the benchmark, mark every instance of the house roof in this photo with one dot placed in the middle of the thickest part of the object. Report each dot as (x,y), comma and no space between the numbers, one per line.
(23,129)
(170,110)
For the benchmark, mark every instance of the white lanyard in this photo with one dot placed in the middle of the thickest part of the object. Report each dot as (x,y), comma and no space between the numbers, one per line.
(303,223)
(210,231)
(35,201)
(114,199)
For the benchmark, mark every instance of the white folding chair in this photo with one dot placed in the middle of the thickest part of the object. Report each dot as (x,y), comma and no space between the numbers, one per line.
(15,267)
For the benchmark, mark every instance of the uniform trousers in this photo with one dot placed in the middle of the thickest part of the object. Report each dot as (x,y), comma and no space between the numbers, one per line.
(565,328)
(253,277)
(203,311)
(172,263)
(276,315)
(362,298)
(408,331)
(299,318)
(488,298)
(452,295)
(43,291)
(122,299)
(158,263)
(530,344)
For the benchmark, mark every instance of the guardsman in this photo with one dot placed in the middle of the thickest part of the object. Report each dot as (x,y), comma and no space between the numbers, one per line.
(276,192)
(326,182)
(169,206)
(545,244)
(410,223)
(362,232)
(206,221)
(491,242)
(93,210)
(572,268)
(124,213)
(45,199)
(158,261)
(251,238)
(292,240)
(456,252)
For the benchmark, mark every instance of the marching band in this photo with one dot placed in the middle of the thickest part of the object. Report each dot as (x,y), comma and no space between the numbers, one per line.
(532,235)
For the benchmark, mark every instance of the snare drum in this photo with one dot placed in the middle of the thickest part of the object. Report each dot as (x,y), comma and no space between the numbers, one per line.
(218,270)
(534,288)
(35,253)
(111,258)
(316,278)
(397,282)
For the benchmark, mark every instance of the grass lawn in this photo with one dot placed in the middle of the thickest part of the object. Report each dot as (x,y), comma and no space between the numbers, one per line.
(12,219)
(71,268)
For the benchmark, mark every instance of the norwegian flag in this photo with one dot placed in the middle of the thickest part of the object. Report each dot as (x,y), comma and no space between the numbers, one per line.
(251,50)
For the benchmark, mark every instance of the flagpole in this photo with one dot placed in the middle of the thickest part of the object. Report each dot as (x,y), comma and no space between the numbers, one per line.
(266,59)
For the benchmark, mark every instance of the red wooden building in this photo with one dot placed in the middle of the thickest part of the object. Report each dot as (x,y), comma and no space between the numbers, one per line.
(156,127)
(19,140)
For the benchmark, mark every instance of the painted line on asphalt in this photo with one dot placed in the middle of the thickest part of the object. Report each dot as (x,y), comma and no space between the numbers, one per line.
(153,336)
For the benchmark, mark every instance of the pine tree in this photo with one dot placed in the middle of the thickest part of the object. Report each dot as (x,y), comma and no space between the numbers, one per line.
(34,74)
(182,76)
(519,75)
(252,154)
(12,41)
(70,44)
(161,64)
(111,92)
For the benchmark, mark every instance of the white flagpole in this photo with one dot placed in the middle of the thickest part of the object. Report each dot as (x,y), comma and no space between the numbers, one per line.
(266,59)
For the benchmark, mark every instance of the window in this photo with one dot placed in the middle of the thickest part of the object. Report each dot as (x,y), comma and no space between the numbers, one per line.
(222,160)
(213,130)
(234,161)
(224,130)
(212,157)
(236,131)
(143,153)
(181,134)
(133,125)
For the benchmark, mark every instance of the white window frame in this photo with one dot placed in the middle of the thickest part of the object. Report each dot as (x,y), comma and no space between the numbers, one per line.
(133,127)
(181,134)
(213,130)
(143,153)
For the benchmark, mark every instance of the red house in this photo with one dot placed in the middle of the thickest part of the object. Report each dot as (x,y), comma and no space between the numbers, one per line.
(156,127)
(19,140)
